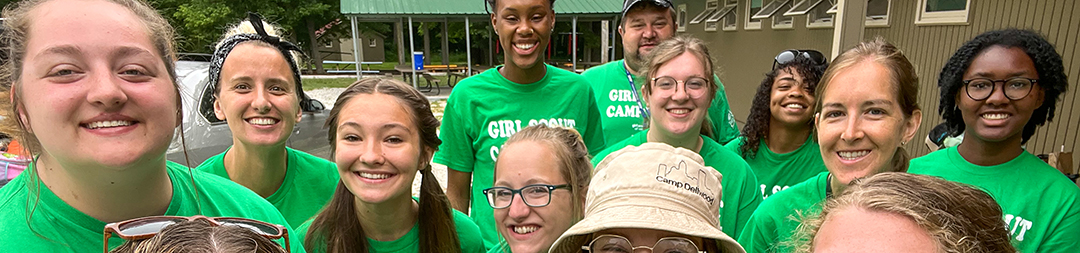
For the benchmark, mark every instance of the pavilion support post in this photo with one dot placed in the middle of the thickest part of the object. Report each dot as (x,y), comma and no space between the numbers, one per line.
(355,46)
(573,38)
(468,48)
(412,48)
(445,43)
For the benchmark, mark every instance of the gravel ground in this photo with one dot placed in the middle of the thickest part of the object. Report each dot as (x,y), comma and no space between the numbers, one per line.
(328,95)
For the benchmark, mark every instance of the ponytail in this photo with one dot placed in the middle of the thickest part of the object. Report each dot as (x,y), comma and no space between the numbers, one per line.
(437,230)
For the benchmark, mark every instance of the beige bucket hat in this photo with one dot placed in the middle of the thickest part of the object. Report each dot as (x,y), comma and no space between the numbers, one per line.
(652,186)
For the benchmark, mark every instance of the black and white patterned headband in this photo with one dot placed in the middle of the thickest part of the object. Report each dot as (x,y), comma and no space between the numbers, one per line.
(226,46)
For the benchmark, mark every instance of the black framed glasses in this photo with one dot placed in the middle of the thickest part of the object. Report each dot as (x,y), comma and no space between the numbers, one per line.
(1015,88)
(147,227)
(534,195)
(789,55)
(696,87)
(619,244)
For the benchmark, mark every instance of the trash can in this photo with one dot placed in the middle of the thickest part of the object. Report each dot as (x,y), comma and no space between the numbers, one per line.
(418,60)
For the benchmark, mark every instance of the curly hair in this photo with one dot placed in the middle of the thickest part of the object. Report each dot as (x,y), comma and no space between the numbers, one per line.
(757,123)
(493,3)
(1047,61)
(958,217)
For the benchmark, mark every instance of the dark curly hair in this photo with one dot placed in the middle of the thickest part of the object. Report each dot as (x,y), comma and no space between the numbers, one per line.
(1047,61)
(491,4)
(757,123)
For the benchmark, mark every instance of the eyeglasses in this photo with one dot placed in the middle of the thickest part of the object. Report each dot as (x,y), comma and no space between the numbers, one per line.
(619,244)
(696,87)
(534,195)
(789,55)
(1015,88)
(147,227)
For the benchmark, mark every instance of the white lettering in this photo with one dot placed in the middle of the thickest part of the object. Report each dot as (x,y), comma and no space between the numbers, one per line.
(494,153)
(1018,226)
(493,129)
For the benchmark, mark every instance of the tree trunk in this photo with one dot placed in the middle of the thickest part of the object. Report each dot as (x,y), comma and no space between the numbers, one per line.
(316,58)
(425,26)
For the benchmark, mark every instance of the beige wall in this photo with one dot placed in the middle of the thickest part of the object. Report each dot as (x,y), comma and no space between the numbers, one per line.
(744,56)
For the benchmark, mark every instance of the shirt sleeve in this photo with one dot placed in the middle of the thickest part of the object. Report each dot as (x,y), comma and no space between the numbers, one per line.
(456,151)
(593,135)
(723,122)
(759,233)
(750,199)
(1065,237)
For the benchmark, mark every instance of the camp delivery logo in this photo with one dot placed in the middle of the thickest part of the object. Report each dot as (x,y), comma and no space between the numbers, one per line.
(693,180)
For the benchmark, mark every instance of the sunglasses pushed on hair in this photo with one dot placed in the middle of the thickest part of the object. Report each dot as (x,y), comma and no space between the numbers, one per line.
(147,227)
(790,55)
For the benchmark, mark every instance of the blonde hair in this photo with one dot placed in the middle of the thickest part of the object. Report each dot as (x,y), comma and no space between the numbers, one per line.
(14,37)
(245,27)
(902,77)
(958,217)
(671,49)
(572,155)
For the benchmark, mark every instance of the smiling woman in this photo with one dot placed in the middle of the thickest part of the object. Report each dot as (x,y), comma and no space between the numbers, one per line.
(257,91)
(382,133)
(486,109)
(998,88)
(94,98)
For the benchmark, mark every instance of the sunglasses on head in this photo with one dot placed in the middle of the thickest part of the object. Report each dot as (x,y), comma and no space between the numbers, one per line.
(790,55)
(147,227)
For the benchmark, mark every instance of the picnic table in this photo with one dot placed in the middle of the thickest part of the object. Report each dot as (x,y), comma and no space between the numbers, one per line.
(338,69)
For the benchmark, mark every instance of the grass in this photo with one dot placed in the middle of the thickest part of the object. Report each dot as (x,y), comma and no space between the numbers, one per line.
(382,66)
(319,83)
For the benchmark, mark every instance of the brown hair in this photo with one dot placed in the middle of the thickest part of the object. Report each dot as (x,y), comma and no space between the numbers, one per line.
(199,236)
(336,227)
(672,48)
(14,38)
(902,76)
(572,155)
(957,216)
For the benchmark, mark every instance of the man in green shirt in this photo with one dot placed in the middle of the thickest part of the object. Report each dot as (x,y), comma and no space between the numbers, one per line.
(644,25)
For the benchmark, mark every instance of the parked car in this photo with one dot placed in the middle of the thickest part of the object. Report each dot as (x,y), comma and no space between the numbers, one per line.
(205,135)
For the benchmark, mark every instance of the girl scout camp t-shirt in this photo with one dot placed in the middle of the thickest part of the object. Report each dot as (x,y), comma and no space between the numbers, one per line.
(739,185)
(620,111)
(486,109)
(468,236)
(45,223)
(776,172)
(771,227)
(309,183)
(1041,205)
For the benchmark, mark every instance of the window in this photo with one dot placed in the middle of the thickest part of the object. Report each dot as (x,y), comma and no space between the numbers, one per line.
(710,8)
(775,7)
(373,43)
(802,7)
(819,16)
(206,104)
(877,13)
(328,43)
(727,14)
(942,12)
(680,18)
(752,21)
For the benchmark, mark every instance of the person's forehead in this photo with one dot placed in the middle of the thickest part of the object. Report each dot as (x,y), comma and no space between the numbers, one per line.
(647,10)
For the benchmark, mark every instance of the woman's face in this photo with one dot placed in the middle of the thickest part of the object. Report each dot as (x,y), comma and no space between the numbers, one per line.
(998,118)
(532,229)
(257,96)
(524,28)
(639,237)
(679,111)
(854,229)
(377,148)
(861,123)
(94,89)
(791,101)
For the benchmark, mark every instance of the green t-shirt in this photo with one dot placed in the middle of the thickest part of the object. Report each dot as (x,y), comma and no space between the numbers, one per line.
(45,223)
(771,227)
(620,112)
(740,194)
(776,172)
(502,247)
(485,109)
(1041,206)
(309,183)
(468,236)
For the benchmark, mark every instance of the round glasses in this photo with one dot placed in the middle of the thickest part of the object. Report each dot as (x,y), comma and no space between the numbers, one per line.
(619,244)
(696,87)
(1015,88)
(534,195)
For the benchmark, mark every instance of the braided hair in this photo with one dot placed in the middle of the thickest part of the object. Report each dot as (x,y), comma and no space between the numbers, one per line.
(1047,61)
